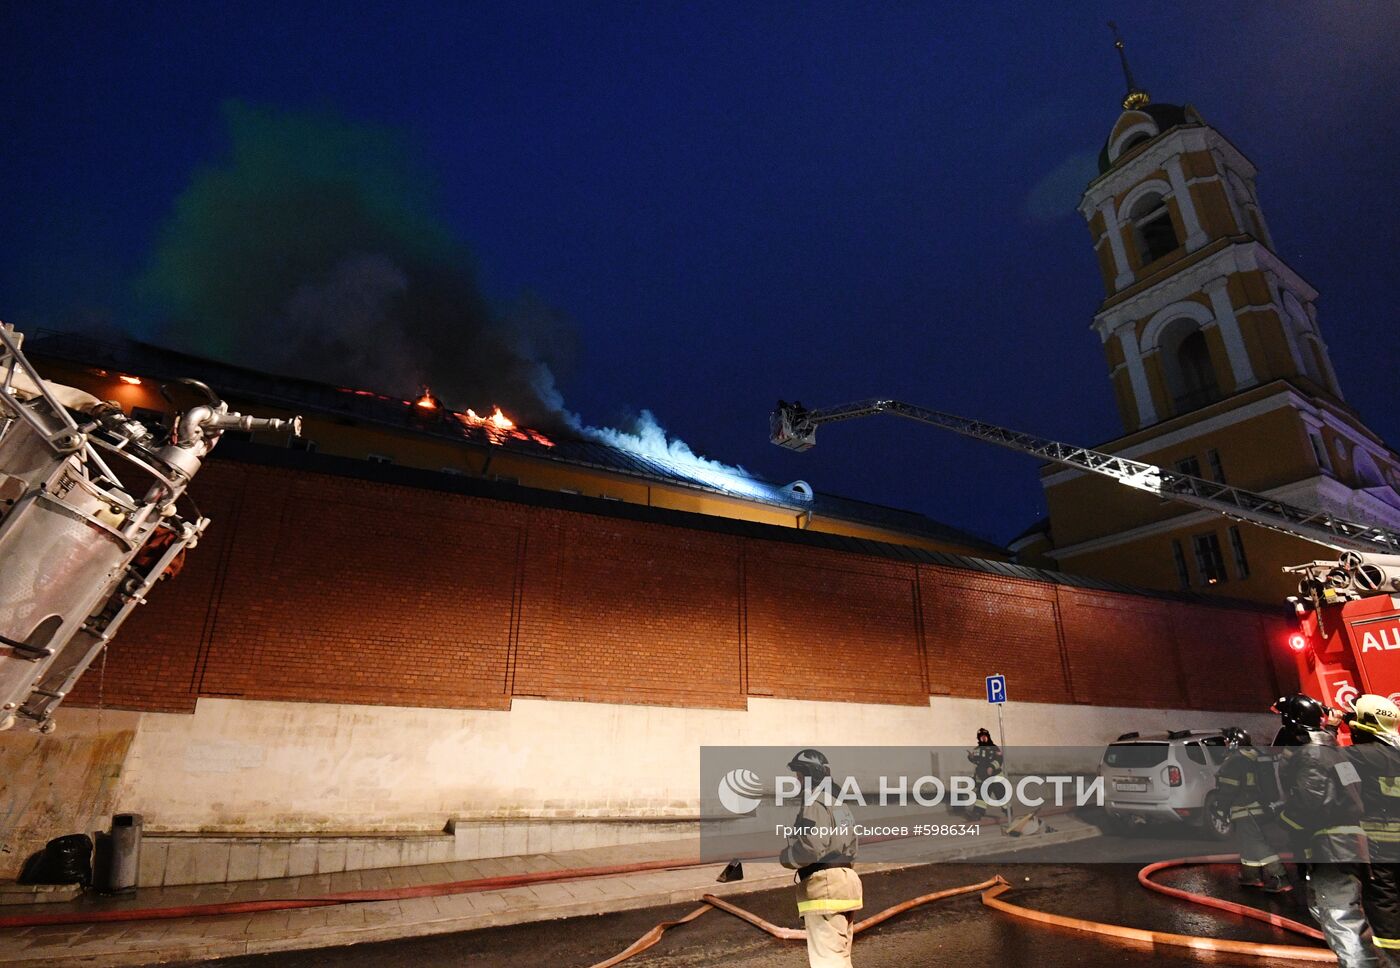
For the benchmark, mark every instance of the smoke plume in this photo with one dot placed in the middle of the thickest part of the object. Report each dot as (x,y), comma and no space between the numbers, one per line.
(314,250)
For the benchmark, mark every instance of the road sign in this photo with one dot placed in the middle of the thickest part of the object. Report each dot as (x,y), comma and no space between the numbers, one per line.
(996,689)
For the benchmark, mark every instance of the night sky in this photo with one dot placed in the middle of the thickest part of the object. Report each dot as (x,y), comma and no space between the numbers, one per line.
(729,204)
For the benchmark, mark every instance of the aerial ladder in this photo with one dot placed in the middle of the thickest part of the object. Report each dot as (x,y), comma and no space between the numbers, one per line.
(1348,608)
(93,512)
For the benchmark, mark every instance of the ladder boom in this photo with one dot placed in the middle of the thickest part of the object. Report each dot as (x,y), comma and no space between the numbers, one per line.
(794,427)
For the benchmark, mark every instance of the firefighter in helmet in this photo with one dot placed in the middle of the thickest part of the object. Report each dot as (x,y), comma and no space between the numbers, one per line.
(1322,811)
(987,760)
(823,851)
(1246,790)
(1376,754)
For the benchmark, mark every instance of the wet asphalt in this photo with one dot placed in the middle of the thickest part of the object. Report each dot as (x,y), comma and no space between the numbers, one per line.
(958,931)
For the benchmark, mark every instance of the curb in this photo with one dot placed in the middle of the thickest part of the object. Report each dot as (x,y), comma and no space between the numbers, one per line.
(394,928)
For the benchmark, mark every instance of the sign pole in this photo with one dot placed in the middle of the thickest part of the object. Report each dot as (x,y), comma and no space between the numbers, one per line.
(1001,734)
(996,695)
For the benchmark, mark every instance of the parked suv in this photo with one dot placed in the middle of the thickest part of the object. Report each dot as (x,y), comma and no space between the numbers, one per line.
(1164,777)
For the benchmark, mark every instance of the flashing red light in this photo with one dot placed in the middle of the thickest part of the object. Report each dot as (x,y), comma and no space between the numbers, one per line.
(133,380)
(1297,642)
(1174,776)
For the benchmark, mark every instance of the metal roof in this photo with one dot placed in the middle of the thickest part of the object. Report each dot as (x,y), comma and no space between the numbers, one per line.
(296,393)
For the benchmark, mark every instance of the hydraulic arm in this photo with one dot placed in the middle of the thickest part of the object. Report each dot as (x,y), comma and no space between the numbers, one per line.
(89,522)
(795,427)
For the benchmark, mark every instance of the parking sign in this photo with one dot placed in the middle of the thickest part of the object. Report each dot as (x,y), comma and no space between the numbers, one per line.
(996,689)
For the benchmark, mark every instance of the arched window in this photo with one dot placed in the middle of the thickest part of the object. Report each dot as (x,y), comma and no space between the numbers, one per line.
(1310,348)
(1153,229)
(1364,465)
(1251,221)
(1197,372)
(1187,365)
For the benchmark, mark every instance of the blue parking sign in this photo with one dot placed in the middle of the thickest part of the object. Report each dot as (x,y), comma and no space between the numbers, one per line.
(996,689)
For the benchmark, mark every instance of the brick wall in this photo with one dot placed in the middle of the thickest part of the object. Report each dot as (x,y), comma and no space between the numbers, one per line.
(322,588)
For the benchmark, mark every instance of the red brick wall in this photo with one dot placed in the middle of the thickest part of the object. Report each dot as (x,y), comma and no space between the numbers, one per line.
(321,588)
(821,624)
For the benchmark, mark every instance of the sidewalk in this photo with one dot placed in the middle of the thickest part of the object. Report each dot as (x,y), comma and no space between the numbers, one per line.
(189,939)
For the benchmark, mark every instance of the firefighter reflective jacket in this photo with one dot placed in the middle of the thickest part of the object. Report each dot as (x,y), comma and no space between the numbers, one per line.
(1322,803)
(1246,785)
(1379,766)
(822,849)
(986,762)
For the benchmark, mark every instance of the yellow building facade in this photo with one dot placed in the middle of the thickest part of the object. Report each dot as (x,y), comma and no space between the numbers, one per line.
(1218,368)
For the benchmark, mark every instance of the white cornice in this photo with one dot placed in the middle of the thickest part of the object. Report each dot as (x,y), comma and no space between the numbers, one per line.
(1247,255)
(1152,156)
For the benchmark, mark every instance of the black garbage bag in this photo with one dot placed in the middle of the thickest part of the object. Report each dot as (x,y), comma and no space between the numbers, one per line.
(64,860)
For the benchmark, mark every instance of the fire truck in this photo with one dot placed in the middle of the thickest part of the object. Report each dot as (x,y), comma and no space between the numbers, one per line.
(93,512)
(1348,608)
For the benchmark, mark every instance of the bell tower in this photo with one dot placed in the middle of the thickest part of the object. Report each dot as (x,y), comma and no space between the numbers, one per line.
(1218,368)
(1198,306)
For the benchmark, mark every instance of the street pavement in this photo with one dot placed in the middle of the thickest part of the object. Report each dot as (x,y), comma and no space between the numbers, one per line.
(202,938)
(955,931)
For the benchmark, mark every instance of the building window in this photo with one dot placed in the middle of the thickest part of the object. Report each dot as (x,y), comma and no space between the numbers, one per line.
(1241,561)
(1320,452)
(1182,575)
(379,458)
(1187,365)
(1197,373)
(1153,229)
(1209,561)
(1217,469)
(1189,465)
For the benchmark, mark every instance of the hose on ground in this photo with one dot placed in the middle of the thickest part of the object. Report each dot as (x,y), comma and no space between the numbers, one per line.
(1277,920)
(786,934)
(993,889)
(1206,947)
(343,897)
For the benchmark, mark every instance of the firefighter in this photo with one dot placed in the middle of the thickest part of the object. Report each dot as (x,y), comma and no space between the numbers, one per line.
(986,762)
(1245,791)
(1322,811)
(823,852)
(1376,753)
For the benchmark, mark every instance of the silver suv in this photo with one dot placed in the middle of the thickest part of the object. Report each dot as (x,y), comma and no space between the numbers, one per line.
(1164,776)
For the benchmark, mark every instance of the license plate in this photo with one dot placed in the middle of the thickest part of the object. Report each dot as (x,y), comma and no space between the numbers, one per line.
(1134,784)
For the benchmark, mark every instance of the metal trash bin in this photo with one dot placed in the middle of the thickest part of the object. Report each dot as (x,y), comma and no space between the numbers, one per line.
(126,854)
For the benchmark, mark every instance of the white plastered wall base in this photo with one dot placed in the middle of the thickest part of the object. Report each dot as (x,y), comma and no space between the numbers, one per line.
(244,766)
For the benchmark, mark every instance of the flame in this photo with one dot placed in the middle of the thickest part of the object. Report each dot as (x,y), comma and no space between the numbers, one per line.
(133,380)
(499,428)
(496,425)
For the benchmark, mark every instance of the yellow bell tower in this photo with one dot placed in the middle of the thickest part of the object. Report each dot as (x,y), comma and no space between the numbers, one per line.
(1218,367)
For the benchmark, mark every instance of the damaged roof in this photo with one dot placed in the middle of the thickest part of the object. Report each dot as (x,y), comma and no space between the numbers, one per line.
(296,393)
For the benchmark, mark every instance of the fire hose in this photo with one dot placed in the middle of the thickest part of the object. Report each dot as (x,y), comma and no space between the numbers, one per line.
(992,891)
(783,934)
(500,882)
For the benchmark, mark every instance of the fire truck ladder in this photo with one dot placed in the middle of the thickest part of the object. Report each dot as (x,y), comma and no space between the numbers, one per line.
(795,427)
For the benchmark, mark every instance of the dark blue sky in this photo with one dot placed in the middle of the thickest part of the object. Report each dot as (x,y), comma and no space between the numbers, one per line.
(736,203)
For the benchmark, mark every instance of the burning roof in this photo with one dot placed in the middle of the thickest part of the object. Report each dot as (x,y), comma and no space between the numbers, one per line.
(426,414)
